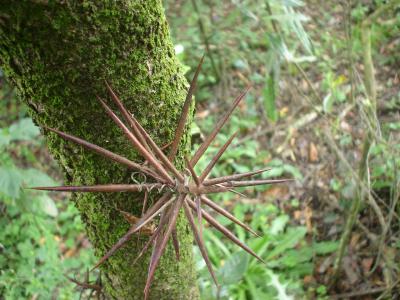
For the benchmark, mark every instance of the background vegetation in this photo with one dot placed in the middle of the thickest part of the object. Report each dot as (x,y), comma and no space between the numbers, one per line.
(324,109)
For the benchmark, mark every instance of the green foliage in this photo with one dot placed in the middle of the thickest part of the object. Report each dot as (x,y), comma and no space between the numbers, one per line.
(241,276)
(234,40)
(37,231)
(269,92)
(385,165)
(282,245)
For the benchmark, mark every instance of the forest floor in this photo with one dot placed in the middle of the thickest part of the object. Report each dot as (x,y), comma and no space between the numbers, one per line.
(324,145)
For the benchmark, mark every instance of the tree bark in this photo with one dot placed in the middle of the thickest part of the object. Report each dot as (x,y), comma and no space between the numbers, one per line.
(58,54)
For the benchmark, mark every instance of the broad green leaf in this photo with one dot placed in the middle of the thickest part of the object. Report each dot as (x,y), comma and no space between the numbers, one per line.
(5,137)
(293,171)
(217,242)
(302,269)
(10,181)
(47,205)
(256,293)
(34,177)
(325,247)
(234,268)
(287,241)
(328,103)
(278,224)
(24,129)
(260,246)
(294,258)
(194,129)
(269,99)
(279,287)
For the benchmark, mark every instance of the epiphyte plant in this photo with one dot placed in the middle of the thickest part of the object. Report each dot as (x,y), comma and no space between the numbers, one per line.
(178,189)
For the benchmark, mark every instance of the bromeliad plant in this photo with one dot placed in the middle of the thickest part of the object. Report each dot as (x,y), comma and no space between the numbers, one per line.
(179,189)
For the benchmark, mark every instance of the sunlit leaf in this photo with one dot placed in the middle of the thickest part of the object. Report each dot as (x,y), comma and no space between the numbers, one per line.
(10,181)
(24,129)
(278,224)
(47,205)
(325,247)
(35,177)
(269,93)
(234,268)
(288,241)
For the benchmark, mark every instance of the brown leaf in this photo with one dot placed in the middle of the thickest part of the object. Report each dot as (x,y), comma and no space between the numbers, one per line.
(147,229)
(366,264)
(313,153)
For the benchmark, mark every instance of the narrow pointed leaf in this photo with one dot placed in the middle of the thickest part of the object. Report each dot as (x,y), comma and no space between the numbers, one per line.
(199,241)
(184,114)
(233,177)
(224,231)
(226,214)
(203,147)
(215,159)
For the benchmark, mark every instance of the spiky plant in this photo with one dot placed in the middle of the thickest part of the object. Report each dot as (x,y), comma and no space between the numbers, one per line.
(178,189)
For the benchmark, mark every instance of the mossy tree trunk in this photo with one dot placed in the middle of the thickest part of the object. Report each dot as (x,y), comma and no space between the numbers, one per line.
(58,54)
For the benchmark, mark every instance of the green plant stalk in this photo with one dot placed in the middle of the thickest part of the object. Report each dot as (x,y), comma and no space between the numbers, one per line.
(206,41)
(370,86)
(369,70)
(353,214)
(58,54)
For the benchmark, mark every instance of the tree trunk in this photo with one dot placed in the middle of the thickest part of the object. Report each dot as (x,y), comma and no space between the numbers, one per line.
(58,54)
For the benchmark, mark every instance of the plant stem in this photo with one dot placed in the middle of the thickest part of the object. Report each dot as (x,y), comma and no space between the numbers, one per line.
(370,85)
(352,217)
(205,39)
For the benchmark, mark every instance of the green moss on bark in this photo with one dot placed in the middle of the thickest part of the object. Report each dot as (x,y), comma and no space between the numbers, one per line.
(58,54)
